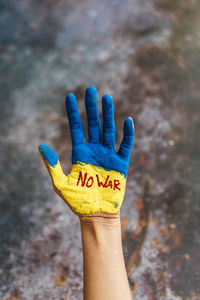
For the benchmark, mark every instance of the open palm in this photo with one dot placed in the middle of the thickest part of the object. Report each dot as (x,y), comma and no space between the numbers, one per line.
(96,184)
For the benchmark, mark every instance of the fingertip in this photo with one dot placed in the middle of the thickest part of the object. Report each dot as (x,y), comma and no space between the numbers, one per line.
(91,91)
(107,102)
(107,98)
(42,147)
(130,118)
(90,97)
(48,154)
(129,126)
(70,96)
(70,101)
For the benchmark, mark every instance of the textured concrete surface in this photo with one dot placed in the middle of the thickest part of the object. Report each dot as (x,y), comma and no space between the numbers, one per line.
(146,54)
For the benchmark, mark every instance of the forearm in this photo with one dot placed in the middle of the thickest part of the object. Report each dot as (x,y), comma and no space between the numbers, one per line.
(104,270)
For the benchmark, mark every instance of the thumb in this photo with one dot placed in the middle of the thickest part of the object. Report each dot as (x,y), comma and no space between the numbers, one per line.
(51,161)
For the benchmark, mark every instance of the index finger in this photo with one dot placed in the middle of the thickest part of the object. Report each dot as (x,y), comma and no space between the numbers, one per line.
(76,126)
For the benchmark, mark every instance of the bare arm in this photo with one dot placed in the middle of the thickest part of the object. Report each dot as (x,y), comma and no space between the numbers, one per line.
(104,269)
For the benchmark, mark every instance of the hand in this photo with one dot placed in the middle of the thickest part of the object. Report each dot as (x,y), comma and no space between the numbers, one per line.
(96,184)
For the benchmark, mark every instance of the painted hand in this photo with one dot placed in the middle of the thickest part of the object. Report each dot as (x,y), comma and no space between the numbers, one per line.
(97,181)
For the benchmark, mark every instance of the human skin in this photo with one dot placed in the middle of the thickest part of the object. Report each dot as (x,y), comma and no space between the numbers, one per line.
(104,269)
(94,191)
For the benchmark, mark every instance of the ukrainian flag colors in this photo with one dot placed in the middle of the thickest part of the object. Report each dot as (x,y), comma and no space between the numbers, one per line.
(89,189)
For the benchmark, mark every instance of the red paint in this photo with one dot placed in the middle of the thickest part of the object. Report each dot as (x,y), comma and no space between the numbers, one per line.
(80,178)
(109,184)
(106,181)
(100,183)
(89,182)
(116,183)
(92,180)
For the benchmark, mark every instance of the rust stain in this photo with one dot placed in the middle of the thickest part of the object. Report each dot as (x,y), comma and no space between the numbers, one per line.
(137,237)
(124,222)
(162,281)
(141,160)
(16,294)
(139,203)
(187,256)
(60,280)
(176,237)
(163,230)
(172,226)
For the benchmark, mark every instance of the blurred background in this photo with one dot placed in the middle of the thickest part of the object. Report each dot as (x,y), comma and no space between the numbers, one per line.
(146,54)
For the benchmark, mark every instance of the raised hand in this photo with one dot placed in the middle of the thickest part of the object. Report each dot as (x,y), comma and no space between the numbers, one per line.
(97,181)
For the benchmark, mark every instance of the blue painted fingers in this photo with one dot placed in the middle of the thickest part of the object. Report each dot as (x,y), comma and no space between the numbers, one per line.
(48,154)
(75,123)
(94,125)
(85,153)
(127,142)
(108,122)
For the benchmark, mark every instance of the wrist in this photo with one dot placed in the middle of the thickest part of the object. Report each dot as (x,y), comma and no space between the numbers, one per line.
(101,232)
(103,222)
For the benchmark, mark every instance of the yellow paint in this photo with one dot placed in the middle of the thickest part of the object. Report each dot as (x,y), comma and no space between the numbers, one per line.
(89,200)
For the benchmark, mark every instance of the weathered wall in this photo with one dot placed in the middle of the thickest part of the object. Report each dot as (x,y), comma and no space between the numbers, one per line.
(146,54)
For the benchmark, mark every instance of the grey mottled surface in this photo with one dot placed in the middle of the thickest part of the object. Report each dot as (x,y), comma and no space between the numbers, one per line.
(146,54)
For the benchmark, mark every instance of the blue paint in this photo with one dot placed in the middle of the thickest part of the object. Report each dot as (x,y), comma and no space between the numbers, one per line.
(108,122)
(76,127)
(94,124)
(127,142)
(49,155)
(93,152)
